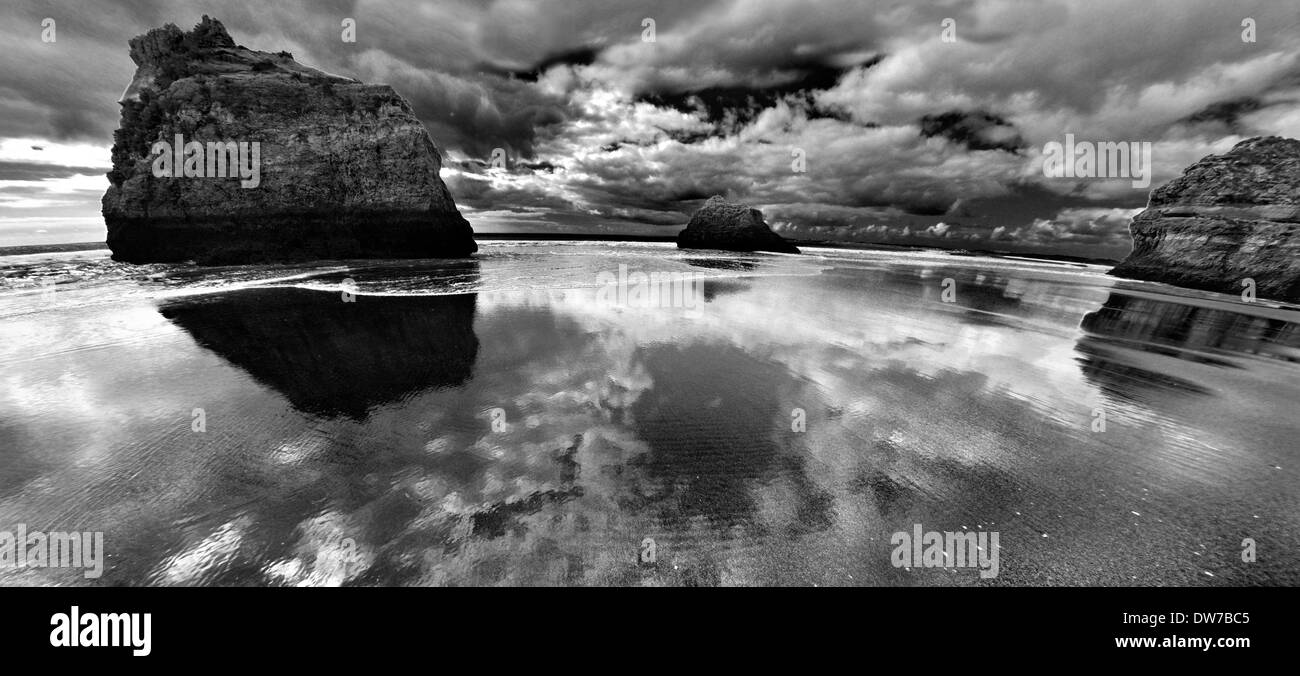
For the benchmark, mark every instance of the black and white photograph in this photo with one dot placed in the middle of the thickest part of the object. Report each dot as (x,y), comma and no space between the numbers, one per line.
(670,293)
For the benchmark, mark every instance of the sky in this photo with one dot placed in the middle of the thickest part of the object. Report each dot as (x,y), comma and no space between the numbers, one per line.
(913,123)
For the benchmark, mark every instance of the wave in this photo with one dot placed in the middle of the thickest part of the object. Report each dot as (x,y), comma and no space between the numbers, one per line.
(502,265)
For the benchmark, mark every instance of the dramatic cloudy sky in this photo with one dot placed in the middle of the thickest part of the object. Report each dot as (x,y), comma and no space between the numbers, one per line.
(907,138)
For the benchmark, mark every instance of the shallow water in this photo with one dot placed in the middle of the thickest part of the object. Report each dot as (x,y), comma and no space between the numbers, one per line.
(495,422)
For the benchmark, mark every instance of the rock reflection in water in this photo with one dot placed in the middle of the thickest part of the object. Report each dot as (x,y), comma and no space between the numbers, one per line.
(1128,331)
(331,357)
(1192,331)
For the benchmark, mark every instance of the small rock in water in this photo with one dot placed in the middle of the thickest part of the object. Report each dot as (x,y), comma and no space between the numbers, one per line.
(719,224)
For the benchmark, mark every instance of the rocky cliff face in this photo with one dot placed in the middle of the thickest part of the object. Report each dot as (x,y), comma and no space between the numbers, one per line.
(1228,218)
(340,169)
(720,224)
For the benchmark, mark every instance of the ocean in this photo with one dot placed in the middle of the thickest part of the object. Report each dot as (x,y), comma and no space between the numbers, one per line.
(506,421)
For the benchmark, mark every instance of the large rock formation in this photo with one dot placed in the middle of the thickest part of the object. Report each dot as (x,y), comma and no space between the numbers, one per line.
(342,169)
(1228,218)
(720,224)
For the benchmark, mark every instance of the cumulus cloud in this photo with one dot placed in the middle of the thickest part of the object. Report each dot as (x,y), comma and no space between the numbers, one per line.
(1103,230)
(903,137)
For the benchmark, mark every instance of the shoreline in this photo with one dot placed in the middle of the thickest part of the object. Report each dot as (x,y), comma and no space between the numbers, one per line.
(69,247)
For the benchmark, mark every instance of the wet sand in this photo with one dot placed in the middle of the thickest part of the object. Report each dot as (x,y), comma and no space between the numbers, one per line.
(492,423)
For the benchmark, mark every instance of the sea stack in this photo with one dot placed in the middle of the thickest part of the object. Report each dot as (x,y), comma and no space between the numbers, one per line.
(276,161)
(1228,219)
(719,224)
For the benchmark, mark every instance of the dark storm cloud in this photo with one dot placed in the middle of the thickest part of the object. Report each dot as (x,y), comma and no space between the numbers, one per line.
(976,130)
(582,56)
(1226,112)
(731,108)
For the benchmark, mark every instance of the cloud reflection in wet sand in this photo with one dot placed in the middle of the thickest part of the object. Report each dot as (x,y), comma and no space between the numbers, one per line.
(358,446)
